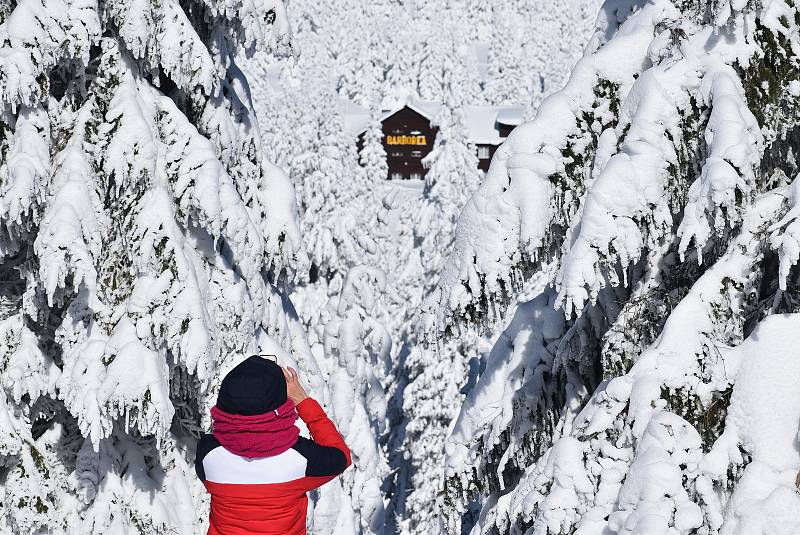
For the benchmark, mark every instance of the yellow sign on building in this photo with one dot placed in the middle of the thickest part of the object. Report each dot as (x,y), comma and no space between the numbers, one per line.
(406,140)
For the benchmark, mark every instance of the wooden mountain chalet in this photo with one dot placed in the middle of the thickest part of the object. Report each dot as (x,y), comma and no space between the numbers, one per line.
(409,135)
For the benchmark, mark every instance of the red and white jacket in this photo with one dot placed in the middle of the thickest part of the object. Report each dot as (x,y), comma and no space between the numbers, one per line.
(267,495)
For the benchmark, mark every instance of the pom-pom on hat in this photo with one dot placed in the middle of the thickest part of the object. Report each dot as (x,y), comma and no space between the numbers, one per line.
(255,386)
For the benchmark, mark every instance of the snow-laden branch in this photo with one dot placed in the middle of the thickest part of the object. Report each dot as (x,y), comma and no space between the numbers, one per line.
(36,36)
(735,144)
(23,179)
(785,234)
(536,176)
(691,362)
(359,348)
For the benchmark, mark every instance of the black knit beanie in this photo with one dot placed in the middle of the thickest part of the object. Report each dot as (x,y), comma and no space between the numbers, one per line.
(255,386)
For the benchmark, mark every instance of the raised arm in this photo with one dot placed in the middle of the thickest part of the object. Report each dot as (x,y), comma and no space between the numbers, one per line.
(326,453)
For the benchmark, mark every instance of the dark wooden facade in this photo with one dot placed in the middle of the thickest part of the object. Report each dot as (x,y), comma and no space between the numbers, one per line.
(485,154)
(408,137)
(504,129)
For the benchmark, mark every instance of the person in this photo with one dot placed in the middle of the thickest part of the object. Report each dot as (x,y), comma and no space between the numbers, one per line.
(255,464)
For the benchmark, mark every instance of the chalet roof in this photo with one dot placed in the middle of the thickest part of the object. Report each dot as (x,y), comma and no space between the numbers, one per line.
(480,125)
(426,108)
(355,117)
(480,120)
(511,115)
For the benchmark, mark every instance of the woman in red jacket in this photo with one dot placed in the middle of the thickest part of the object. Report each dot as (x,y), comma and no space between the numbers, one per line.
(255,464)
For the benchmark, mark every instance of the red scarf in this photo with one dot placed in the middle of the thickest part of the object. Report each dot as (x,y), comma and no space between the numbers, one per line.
(260,435)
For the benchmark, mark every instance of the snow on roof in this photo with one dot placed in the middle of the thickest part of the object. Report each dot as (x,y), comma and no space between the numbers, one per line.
(426,108)
(480,125)
(511,115)
(481,120)
(355,117)
(353,113)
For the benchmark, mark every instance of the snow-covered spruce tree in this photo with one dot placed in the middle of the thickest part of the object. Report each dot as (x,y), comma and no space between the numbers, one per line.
(452,175)
(524,66)
(334,194)
(355,362)
(512,78)
(372,156)
(148,242)
(446,58)
(436,374)
(643,382)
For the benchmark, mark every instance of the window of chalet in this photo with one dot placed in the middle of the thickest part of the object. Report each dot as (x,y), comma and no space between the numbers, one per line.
(483,153)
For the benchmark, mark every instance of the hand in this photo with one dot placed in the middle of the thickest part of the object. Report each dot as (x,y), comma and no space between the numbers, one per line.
(294,390)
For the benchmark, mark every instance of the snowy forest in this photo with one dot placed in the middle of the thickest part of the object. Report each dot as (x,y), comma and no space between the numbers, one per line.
(593,334)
